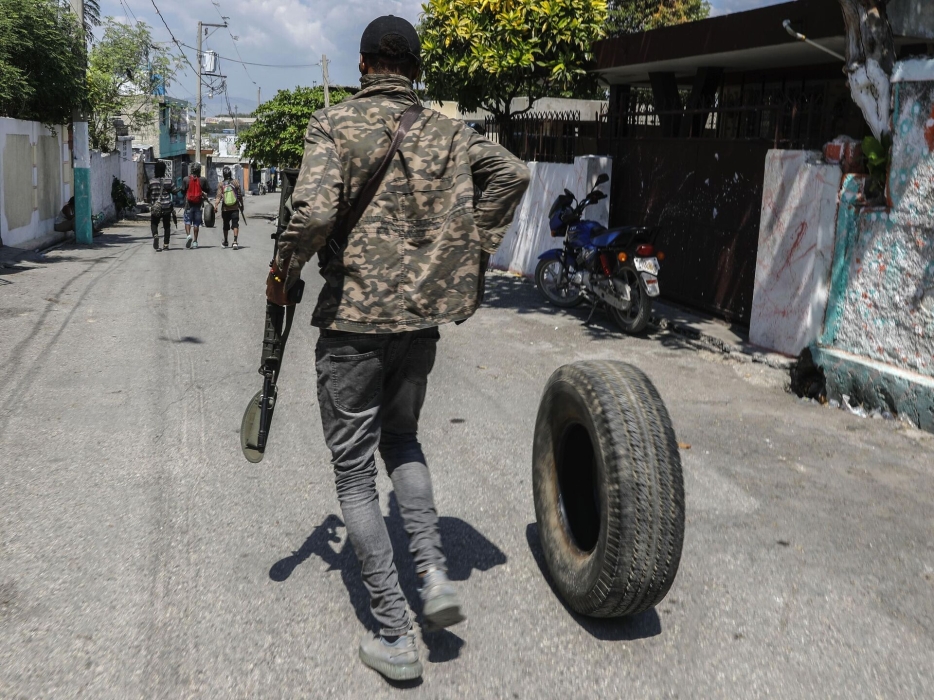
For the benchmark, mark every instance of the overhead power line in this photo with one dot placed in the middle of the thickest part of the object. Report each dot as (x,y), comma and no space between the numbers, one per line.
(126,5)
(176,41)
(262,65)
(233,39)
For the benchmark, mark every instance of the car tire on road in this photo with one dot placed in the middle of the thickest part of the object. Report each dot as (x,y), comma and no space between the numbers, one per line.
(608,488)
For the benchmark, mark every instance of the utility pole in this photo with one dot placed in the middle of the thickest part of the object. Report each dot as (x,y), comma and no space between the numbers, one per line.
(324,80)
(82,154)
(259,92)
(201,26)
(198,105)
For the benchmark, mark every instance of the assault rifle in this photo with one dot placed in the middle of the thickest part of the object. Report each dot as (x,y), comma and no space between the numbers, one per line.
(257,419)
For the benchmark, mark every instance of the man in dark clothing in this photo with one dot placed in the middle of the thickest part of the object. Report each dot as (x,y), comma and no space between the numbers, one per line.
(415,260)
(230,204)
(159,195)
(195,189)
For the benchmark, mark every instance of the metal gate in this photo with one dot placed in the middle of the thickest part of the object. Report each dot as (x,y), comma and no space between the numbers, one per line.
(705,195)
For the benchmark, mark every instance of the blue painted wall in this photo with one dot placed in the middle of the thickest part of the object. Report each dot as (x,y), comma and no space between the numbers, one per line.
(172,141)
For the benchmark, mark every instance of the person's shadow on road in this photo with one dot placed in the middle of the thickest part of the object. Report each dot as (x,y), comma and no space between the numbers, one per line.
(466,549)
(641,626)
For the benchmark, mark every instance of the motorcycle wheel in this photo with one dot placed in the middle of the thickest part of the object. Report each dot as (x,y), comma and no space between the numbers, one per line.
(634,319)
(608,489)
(548,276)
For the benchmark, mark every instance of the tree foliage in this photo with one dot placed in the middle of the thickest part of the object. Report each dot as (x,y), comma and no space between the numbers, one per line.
(277,136)
(41,55)
(92,18)
(631,16)
(124,69)
(485,53)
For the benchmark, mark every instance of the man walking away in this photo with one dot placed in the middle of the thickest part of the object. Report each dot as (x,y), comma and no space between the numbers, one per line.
(230,203)
(415,261)
(195,188)
(159,195)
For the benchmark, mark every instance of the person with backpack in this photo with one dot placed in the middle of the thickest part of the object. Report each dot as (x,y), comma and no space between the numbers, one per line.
(195,188)
(230,202)
(416,261)
(159,194)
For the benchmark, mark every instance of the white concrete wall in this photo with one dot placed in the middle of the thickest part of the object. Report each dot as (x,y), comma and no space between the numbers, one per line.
(129,168)
(104,168)
(34,184)
(529,235)
(796,237)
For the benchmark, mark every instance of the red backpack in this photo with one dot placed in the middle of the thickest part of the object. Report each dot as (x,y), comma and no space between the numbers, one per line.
(194,194)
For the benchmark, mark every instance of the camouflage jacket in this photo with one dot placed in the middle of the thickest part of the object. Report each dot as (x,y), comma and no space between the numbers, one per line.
(414,259)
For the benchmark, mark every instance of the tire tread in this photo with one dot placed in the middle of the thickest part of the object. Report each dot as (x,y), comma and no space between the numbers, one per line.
(637,436)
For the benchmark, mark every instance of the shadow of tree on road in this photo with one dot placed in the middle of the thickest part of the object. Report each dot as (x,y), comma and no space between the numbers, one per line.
(466,550)
(641,626)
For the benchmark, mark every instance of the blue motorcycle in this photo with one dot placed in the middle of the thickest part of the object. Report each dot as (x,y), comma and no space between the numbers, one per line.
(616,269)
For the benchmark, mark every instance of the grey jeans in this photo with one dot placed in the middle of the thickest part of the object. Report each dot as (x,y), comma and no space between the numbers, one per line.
(371,388)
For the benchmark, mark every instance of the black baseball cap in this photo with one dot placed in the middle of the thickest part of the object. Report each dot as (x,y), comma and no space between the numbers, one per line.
(386,26)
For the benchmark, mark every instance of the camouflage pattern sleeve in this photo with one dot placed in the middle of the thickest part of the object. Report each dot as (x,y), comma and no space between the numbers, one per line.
(502,180)
(315,200)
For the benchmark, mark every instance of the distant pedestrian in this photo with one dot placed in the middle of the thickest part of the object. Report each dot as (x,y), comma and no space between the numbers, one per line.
(160,196)
(230,202)
(195,188)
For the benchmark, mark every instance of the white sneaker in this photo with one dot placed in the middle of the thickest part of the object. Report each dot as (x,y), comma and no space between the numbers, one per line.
(188,241)
(194,244)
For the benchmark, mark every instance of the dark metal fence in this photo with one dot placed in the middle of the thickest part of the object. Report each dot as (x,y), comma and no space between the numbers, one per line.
(549,137)
(801,114)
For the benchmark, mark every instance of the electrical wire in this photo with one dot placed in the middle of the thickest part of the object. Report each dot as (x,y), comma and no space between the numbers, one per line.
(126,4)
(233,39)
(125,12)
(176,41)
(262,65)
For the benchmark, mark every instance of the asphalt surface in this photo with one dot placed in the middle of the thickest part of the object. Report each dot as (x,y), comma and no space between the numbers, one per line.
(142,557)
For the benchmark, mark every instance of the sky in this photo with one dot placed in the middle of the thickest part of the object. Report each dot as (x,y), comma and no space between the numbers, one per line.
(283,32)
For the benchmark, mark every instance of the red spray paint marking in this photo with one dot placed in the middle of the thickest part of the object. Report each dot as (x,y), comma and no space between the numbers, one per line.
(790,258)
(929,132)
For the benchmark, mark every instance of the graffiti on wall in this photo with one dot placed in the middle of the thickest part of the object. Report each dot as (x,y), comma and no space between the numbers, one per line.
(888,304)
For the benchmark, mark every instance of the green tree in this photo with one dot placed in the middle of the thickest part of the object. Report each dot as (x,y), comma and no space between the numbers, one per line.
(485,53)
(631,16)
(92,18)
(41,54)
(125,68)
(277,136)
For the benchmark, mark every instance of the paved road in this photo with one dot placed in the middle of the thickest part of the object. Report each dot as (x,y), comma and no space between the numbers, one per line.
(142,557)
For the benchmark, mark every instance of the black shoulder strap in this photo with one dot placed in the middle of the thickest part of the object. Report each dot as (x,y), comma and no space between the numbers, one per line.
(339,239)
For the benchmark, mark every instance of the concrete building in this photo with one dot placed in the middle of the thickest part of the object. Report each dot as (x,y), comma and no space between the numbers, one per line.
(167,133)
(694,111)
